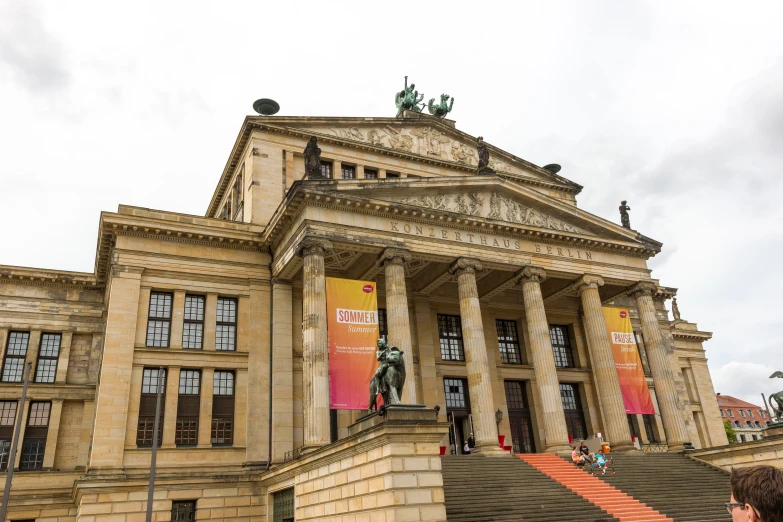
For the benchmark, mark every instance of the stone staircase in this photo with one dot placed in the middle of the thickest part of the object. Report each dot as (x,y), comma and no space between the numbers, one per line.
(618,504)
(681,488)
(501,488)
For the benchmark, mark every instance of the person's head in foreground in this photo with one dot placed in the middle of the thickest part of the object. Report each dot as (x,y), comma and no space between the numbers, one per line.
(756,494)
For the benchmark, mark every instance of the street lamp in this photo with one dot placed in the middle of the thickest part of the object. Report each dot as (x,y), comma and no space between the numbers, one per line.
(498,416)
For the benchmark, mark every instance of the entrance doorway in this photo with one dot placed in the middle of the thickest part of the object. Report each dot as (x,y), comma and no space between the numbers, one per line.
(458,413)
(519,417)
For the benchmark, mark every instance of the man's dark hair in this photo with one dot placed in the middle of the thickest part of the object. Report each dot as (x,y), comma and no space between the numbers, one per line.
(762,488)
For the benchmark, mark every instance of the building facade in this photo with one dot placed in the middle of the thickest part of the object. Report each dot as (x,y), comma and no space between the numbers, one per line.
(492,284)
(748,420)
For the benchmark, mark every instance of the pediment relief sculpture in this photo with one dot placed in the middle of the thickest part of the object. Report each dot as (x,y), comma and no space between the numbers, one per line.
(426,141)
(492,206)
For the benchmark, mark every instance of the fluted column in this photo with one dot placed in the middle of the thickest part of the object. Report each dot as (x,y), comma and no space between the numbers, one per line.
(315,357)
(482,404)
(604,369)
(397,318)
(660,367)
(544,360)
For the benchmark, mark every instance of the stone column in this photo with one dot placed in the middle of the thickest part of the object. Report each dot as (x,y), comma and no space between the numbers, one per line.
(205,408)
(397,318)
(604,370)
(315,357)
(660,367)
(544,361)
(482,404)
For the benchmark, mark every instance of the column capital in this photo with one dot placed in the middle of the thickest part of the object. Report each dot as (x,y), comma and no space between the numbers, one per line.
(466,264)
(532,273)
(312,245)
(588,281)
(394,256)
(643,288)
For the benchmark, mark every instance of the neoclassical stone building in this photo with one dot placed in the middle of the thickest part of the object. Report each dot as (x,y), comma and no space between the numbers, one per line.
(491,284)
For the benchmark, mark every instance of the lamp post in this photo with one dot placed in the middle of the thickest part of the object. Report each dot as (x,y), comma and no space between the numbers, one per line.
(498,416)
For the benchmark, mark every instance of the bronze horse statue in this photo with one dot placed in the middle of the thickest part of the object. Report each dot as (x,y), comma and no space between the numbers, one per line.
(390,382)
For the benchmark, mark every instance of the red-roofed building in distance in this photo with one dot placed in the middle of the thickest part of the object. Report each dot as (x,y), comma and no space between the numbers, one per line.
(748,420)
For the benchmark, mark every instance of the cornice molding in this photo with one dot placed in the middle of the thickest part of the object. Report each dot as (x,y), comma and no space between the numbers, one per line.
(49,278)
(347,202)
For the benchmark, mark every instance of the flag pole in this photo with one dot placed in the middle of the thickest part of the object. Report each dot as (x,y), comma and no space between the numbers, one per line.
(14,443)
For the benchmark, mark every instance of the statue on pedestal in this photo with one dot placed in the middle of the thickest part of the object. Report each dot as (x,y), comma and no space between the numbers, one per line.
(389,377)
(777,407)
(483,157)
(675,310)
(408,99)
(312,159)
(624,218)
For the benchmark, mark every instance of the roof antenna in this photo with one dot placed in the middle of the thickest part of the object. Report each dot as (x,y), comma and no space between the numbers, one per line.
(266,107)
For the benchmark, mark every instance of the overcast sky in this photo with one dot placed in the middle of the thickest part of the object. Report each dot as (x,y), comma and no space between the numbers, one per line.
(675,106)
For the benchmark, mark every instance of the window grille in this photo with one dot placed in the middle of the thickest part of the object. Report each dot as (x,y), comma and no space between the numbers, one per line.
(34,444)
(508,341)
(193,327)
(15,353)
(222,433)
(370,174)
(283,505)
(7,421)
(183,511)
(159,321)
(572,408)
(188,406)
(326,169)
(147,406)
(348,172)
(47,358)
(450,333)
(226,328)
(561,345)
(456,397)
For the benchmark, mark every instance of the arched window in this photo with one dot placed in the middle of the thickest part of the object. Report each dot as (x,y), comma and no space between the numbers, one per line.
(758,424)
(737,424)
(749,424)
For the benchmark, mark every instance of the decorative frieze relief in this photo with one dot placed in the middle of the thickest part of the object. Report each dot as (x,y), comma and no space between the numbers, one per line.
(492,206)
(425,141)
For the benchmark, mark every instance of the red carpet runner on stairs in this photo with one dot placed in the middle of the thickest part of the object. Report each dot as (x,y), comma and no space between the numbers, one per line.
(621,506)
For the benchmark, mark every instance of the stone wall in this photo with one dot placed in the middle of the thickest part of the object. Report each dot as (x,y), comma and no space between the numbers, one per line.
(768,451)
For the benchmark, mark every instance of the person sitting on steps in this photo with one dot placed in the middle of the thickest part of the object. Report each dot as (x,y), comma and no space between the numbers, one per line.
(600,461)
(585,451)
(577,458)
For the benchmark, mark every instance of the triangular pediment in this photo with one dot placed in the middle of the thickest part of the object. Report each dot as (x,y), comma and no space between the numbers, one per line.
(424,136)
(489,200)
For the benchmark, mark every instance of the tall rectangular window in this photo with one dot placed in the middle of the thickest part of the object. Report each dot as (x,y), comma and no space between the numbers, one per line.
(47,357)
(731,413)
(283,505)
(750,413)
(193,327)
(226,330)
(572,407)
(742,413)
(183,511)
(648,427)
(188,402)
(370,174)
(7,420)
(450,334)
(508,341)
(456,394)
(15,352)
(223,409)
(383,326)
(348,172)
(326,169)
(159,322)
(147,405)
(34,443)
(561,345)
(238,196)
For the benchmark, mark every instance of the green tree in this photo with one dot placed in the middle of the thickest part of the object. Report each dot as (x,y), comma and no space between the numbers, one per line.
(730,433)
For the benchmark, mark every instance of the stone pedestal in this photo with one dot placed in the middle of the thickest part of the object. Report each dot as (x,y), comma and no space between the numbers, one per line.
(388,468)
(661,368)
(315,356)
(482,404)
(544,361)
(610,395)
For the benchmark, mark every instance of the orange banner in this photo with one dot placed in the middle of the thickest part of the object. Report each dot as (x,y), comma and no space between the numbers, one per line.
(352,308)
(636,395)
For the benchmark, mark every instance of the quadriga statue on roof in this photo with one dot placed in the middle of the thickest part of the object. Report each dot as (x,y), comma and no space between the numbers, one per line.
(409,98)
(443,108)
(389,377)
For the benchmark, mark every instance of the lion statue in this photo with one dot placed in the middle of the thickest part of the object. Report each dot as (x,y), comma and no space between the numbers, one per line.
(388,383)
